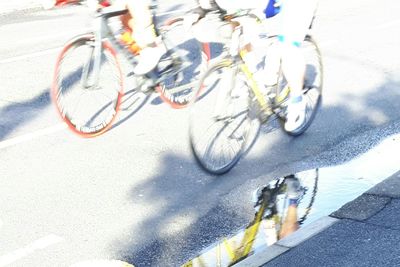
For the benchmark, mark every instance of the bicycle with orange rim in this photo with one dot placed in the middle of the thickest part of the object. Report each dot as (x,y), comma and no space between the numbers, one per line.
(88,83)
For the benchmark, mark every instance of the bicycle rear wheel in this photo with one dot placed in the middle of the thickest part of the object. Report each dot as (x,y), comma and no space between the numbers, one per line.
(88,107)
(313,84)
(219,118)
(177,90)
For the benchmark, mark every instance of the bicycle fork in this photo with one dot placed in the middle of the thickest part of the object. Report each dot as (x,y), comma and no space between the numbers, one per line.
(223,108)
(91,68)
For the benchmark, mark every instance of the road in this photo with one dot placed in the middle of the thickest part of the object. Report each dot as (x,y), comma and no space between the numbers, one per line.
(136,193)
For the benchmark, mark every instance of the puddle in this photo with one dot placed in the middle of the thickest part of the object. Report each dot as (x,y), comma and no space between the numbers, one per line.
(340,184)
(323,191)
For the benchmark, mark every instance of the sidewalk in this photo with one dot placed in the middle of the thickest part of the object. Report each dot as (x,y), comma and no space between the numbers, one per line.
(364,232)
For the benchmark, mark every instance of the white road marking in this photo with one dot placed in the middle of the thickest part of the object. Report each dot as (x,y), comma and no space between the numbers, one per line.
(46,38)
(33,135)
(29,249)
(35,54)
(386,25)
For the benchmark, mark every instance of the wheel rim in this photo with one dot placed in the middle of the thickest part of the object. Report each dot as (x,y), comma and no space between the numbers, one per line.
(218,130)
(177,91)
(87,110)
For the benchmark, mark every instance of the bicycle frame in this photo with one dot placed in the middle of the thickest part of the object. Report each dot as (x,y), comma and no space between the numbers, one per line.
(103,31)
(238,54)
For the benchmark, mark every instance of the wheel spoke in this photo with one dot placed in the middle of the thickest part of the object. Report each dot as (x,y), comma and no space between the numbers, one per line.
(218,129)
(88,109)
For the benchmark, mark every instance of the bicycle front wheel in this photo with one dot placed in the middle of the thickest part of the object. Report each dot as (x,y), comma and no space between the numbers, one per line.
(87,105)
(177,89)
(219,118)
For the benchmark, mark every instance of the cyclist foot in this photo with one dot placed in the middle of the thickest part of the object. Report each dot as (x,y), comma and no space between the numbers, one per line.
(149,58)
(296,112)
(294,190)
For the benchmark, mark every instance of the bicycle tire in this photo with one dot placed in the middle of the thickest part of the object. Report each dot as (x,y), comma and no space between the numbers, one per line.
(177,90)
(218,131)
(88,111)
(313,85)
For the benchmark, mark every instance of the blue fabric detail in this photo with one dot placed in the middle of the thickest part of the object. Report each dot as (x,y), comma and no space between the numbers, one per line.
(272,9)
(282,39)
(297,44)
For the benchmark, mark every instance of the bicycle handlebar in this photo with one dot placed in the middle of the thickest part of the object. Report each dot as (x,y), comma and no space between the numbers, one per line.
(112,11)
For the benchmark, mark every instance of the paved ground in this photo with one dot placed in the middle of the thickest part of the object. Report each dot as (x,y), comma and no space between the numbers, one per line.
(364,232)
(354,235)
(10,6)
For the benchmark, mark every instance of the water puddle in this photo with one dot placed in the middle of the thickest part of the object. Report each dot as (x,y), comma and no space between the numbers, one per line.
(288,203)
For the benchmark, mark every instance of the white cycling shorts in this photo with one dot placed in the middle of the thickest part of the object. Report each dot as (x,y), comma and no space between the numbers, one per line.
(296,17)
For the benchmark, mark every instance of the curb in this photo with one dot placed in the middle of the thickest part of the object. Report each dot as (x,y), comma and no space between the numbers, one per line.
(268,253)
(380,194)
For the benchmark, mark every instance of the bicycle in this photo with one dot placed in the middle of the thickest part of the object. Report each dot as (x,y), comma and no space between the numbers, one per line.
(271,205)
(88,83)
(229,105)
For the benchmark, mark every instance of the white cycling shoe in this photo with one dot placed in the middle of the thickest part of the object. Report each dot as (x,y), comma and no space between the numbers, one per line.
(149,58)
(296,113)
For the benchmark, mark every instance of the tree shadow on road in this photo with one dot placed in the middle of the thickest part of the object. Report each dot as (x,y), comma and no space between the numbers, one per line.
(195,209)
(14,115)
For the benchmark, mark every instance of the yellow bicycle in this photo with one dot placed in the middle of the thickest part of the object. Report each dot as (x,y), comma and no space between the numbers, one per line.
(230,105)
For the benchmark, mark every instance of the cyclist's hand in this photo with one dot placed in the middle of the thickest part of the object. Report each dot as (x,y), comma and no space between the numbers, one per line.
(96,5)
(208,4)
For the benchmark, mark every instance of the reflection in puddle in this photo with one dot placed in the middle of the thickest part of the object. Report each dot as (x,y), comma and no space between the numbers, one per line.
(319,192)
(280,208)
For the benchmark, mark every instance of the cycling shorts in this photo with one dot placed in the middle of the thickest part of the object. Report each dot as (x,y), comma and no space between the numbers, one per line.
(296,18)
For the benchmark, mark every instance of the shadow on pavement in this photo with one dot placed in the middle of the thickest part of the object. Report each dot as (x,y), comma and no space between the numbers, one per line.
(188,220)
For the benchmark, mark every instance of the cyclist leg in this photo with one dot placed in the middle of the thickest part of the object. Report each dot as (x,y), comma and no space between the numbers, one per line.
(296,18)
(294,194)
(141,23)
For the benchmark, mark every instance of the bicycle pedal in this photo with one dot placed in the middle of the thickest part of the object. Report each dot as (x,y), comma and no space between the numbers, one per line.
(264,115)
(171,70)
(146,85)
(166,69)
(260,112)
(164,63)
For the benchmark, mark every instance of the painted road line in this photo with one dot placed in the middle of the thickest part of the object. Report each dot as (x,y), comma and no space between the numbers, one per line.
(29,249)
(35,54)
(33,135)
(386,25)
(47,38)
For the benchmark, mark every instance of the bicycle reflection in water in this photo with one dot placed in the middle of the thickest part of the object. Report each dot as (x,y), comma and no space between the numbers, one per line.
(281,208)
